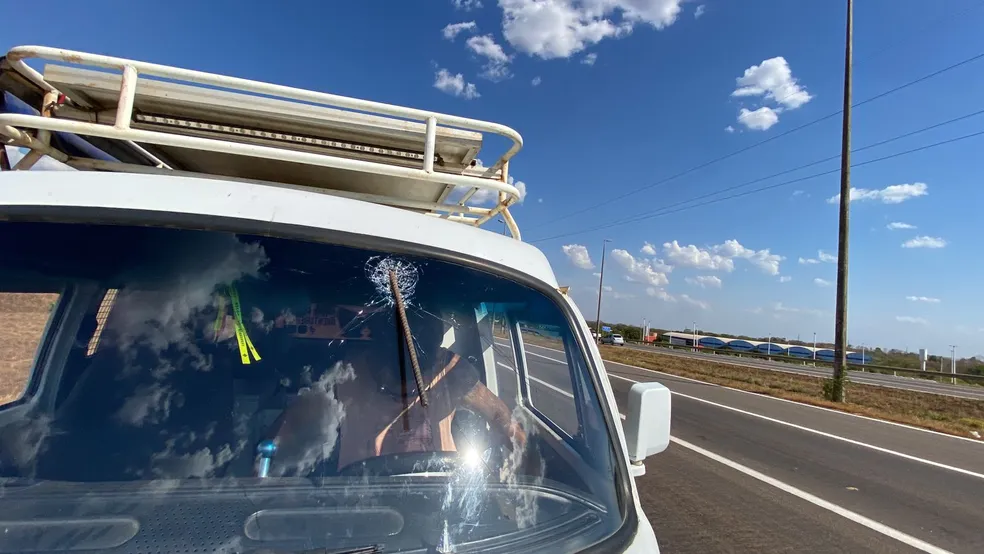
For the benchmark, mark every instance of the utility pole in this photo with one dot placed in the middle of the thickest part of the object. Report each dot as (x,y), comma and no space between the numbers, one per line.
(953,363)
(814,349)
(836,391)
(601,284)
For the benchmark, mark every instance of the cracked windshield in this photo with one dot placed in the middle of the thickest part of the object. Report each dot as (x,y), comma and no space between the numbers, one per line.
(321,387)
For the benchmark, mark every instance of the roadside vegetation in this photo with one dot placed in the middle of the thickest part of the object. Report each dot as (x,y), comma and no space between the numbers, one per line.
(879,357)
(957,416)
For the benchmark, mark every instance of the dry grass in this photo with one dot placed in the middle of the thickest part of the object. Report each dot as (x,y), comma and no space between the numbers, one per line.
(947,414)
(22,321)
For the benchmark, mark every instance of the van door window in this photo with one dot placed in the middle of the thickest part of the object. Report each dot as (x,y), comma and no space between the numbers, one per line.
(23,318)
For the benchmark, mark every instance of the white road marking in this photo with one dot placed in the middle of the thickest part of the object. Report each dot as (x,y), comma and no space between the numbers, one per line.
(823,433)
(813,499)
(789,489)
(756,395)
(817,501)
(542,382)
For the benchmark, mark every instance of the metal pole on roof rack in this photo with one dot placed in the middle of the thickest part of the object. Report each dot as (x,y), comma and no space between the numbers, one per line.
(429,143)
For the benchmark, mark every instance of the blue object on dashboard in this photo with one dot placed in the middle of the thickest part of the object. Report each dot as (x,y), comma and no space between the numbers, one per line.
(266,450)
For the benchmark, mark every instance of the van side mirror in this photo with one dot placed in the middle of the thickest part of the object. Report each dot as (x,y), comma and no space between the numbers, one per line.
(647,424)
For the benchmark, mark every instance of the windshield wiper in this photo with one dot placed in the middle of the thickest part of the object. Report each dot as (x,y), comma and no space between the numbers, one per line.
(371,549)
(401,314)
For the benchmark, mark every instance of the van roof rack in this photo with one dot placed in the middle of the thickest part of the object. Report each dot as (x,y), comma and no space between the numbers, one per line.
(149,118)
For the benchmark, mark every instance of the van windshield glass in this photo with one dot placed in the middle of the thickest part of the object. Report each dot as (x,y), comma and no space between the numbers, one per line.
(214,392)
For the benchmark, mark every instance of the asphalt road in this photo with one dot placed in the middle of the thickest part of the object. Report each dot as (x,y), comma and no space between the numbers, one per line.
(747,473)
(900,382)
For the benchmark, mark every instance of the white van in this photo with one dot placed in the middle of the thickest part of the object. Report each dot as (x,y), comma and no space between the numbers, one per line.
(277,325)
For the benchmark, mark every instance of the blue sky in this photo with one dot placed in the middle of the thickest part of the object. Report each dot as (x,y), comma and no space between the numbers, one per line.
(614,95)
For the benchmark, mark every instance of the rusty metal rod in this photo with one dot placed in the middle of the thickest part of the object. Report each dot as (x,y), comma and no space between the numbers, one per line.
(401,312)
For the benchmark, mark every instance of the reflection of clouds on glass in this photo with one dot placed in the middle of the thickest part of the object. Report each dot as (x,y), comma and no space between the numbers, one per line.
(22,440)
(184,282)
(525,509)
(257,318)
(148,404)
(201,463)
(312,438)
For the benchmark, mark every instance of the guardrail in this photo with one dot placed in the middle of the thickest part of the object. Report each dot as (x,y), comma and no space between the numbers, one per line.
(968,377)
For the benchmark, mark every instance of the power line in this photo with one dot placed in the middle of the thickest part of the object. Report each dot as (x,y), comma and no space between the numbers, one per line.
(765,141)
(661,212)
(811,164)
(643,215)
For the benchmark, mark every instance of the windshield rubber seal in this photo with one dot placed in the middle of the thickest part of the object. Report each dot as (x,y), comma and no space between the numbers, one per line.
(617,542)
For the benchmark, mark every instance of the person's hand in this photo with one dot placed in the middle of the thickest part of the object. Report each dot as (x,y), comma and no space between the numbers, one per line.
(517,435)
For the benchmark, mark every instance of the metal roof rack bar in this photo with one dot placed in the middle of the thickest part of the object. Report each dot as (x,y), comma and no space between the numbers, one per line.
(494,178)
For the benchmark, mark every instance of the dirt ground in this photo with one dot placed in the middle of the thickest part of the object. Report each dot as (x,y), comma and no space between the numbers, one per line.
(22,320)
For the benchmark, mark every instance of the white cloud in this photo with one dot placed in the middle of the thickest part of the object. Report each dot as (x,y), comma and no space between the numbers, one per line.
(639,270)
(780,308)
(720,257)
(560,28)
(691,256)
(896,225)
(924,242)
(579,256)
(763,259)
(485,197)
(589,59)
(607,288)
(785,279)
(660,294)
(910,319)
(536,81)
(451,30)
(808,261)
(454,85)
(825,257)
(923,299)
(496,66)
(466,5)
(704,281)
(893,194)
(648,249)
(821,282)
(729,129)
(699,11)
(798,192)
(760,119)
(699,303)
(774,80)
(520,186)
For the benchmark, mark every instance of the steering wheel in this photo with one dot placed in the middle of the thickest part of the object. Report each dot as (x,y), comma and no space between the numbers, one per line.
(402,463)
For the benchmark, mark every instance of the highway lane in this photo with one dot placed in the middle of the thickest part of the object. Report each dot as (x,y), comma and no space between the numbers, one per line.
(880,379)
(925,486)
